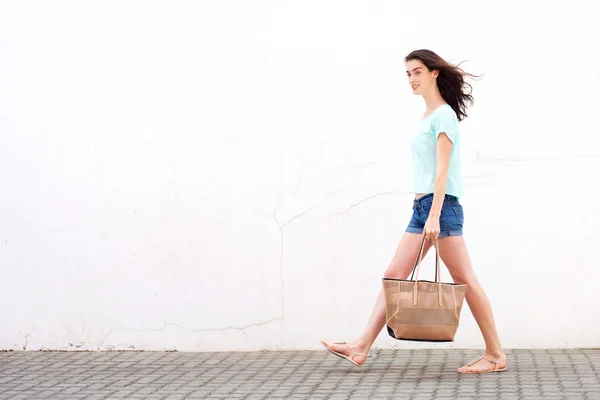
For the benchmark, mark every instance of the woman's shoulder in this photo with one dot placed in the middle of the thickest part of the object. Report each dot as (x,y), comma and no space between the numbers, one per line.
(445,121)
(444,113)
(446,110)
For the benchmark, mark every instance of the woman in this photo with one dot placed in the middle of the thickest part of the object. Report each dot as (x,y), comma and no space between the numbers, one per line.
(437,212)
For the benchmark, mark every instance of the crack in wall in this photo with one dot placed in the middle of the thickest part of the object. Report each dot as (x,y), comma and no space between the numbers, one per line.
(305,211)
(281,244)
(26,336)
(170,324)
(396,192)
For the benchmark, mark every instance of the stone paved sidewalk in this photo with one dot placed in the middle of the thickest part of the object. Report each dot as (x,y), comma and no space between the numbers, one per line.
(397,374)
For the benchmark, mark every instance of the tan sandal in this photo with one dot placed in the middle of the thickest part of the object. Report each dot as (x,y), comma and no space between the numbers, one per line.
(497,367)
(350,357)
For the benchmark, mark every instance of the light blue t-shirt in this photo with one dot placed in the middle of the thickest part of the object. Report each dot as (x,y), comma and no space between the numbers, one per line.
(423,145)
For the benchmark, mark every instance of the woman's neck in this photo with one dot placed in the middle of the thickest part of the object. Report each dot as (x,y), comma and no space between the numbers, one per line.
(434,99)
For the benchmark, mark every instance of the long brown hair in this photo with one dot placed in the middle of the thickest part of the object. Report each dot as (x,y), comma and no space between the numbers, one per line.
(450,81)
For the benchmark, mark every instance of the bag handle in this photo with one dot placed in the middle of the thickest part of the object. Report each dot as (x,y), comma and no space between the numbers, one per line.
(420,258)
(438,279)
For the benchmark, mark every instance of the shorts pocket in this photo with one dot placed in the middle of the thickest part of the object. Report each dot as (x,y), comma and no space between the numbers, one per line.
(426,205)
(459,214)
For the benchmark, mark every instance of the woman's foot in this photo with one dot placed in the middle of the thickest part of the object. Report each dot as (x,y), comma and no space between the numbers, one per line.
(354,352)
(485,363)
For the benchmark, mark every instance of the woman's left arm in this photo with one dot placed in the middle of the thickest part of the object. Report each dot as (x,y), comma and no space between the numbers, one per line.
(443,150)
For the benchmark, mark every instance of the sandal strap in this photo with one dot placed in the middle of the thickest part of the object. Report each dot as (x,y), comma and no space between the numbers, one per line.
(474,361)
(493,361)
(483,357)
(354,353)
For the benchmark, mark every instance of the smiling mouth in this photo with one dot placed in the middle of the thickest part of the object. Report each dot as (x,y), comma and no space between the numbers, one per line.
(415,86)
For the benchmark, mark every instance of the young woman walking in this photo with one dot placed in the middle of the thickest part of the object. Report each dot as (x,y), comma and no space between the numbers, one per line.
(437,213)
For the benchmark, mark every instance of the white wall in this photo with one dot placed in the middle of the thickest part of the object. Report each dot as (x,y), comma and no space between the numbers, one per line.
(203,175)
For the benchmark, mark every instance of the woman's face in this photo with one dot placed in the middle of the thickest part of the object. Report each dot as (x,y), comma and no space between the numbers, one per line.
(420,79)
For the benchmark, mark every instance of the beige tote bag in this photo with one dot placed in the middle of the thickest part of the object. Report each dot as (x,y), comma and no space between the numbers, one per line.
(423,311)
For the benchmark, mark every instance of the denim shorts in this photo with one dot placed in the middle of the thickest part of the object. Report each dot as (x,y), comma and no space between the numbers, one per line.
(451,216)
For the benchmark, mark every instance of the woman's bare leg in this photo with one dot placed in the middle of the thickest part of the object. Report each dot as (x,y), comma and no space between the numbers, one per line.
(400,267)
(453,252)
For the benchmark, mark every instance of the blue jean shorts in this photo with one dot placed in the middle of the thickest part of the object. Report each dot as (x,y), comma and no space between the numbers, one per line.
(451,216)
